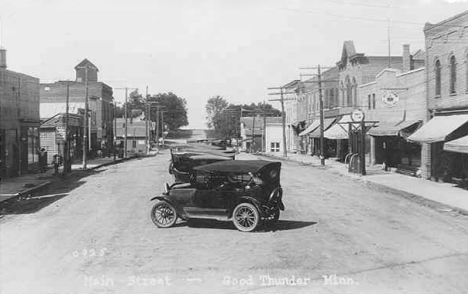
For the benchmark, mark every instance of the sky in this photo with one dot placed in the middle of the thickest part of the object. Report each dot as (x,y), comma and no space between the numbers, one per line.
(198,49)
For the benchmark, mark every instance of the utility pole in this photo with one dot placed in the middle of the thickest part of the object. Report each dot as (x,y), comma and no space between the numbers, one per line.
(253,132)
(146,120)
(283,115)
(85,121)
(126,124)
(264,128)
(125,116)
(162,127)
(114,133)
(321,110)
(66,163)
(322,141)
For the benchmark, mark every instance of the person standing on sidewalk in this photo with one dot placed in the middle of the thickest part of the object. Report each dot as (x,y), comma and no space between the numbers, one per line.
(42,160)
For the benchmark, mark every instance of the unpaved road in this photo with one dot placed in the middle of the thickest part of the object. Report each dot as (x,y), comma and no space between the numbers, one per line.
(336,236)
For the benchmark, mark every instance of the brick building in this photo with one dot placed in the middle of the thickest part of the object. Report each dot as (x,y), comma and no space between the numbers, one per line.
(100,103)
(19,121)
(396,100)
(447,100)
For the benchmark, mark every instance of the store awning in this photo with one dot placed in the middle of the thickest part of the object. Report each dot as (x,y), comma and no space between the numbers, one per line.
(310,128)
(459,145)
(403,129)
(438,128)
(338,131)
(326,124)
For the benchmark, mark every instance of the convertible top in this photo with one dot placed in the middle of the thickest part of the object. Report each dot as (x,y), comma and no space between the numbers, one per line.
(238,166)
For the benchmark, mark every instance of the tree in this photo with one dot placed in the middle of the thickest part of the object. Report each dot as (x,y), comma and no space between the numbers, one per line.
(214,107)
(174,108)
(225,117)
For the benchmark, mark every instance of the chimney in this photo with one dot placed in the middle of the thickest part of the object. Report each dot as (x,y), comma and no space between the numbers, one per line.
(406,58)
(3,63)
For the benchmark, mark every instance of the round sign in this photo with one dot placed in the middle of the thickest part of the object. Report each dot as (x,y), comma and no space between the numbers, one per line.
(357,115)
(390,98)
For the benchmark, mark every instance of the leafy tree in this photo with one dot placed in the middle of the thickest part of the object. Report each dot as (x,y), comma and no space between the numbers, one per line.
(214,106)
(174,108)
(225,117)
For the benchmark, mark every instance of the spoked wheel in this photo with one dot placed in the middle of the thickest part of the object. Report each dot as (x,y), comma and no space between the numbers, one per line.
(246,217)
(163,215)
(273,217)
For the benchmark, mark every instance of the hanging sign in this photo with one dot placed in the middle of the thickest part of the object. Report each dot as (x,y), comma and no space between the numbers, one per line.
(390,98)
(357,115)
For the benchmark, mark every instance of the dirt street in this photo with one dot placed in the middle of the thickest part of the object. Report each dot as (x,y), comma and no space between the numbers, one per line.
(337,235)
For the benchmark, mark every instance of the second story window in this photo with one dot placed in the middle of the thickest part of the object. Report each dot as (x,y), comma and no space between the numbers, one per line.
(453,75)
(368,101)
(438,77)
(373,101)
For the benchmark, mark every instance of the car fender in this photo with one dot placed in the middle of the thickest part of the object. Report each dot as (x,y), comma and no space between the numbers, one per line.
(252,201)
(162,198)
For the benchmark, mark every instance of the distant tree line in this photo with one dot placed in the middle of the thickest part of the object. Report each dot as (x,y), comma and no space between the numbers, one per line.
(174,107)
(224,117)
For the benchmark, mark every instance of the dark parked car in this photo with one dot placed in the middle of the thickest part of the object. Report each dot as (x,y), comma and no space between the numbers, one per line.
(246,192)
(182,164)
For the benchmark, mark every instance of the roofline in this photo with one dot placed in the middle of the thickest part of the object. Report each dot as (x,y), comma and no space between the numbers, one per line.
(429,26)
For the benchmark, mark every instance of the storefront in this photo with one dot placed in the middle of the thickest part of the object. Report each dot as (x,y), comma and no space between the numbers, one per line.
(329,145)
(392,149)
(446,165)
(53,136)
(339,133)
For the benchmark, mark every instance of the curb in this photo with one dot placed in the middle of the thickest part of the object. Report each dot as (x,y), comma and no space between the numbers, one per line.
(25,192)
(401,193)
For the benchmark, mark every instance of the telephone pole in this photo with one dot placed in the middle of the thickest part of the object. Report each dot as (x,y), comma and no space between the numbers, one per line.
(146,122)
(321,110)
(126,116)
(322,141)
(283,115)
(85,121)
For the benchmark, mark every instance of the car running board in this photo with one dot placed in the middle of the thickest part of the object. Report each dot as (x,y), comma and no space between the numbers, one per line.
(210,213)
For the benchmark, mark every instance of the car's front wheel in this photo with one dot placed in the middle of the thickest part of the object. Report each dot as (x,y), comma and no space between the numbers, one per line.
(246,217)
(163,214)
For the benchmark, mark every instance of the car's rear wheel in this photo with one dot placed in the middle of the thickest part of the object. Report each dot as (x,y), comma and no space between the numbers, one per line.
(246,217)
(163,214)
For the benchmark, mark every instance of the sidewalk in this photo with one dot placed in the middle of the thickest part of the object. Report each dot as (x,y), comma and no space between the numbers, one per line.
(443,193)
(28,183)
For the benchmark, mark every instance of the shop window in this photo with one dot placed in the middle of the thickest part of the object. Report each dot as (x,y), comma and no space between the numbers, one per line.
(275,147)
(134,143)
(438,77)
(453,75)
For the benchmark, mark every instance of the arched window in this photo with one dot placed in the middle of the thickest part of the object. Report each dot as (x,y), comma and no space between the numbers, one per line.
(343,97)
(438,77)
(453,75)
(349,92)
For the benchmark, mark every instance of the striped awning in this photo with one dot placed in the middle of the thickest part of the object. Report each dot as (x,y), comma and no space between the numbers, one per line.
(326,124)
(310,128)
(339,131)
